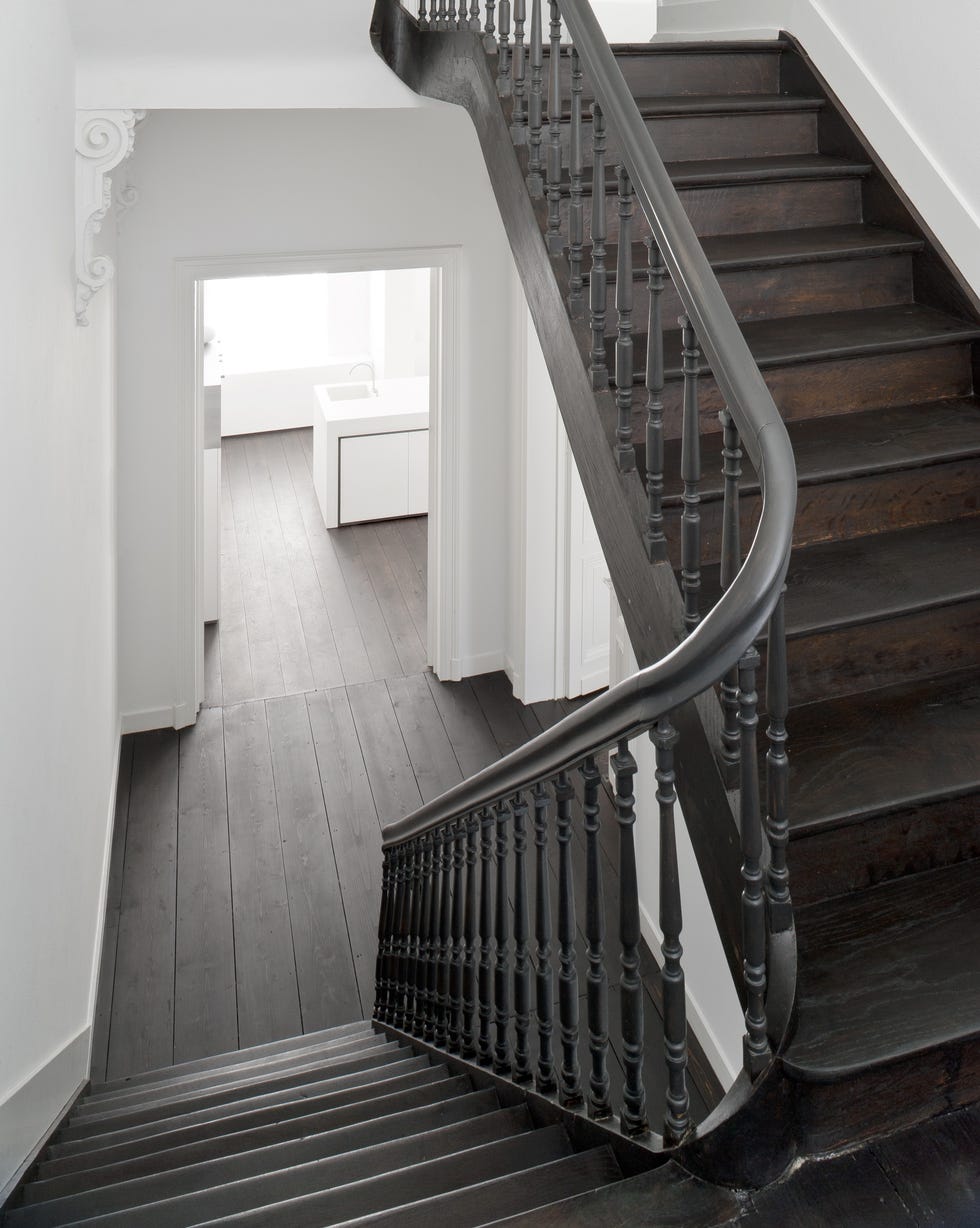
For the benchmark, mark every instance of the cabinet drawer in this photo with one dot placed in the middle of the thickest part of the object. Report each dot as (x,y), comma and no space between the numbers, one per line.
(373,477)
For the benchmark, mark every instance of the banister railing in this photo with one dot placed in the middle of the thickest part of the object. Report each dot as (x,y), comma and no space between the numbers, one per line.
(456,901)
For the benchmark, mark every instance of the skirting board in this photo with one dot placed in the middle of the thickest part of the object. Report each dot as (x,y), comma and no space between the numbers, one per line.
(151,718)
(35,1109)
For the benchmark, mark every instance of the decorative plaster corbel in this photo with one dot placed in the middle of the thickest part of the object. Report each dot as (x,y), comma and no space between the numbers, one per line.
(103,139)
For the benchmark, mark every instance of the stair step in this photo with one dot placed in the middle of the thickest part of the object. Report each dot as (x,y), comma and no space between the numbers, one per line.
(279,1145)
(256,1180)
(242,1115)
(239,1073)
(734,172)
(506,1196)
(292,1044)
(885,751)
(393,1192)
(211,1097)
(888,973)
(229,1136)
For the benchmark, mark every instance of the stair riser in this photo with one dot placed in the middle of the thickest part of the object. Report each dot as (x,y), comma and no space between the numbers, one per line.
(864,854)
(664,74)
(693,137)
(823,389)
(787,290)
(855,507)
(741,208)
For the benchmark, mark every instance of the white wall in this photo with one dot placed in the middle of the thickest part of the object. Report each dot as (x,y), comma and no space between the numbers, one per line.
(326,182)
(58,721)
(904,77)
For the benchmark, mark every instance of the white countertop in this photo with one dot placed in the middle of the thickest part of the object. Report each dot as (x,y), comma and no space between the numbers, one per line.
(401,405)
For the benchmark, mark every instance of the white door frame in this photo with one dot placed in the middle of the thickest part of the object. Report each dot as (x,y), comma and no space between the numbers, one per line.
(444,442)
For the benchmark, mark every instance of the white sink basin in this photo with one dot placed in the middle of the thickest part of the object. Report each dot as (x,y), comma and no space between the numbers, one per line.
(348,392)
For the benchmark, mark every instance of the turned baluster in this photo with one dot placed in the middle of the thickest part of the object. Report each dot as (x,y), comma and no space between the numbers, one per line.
(756,1051)
(597,274)
(484,1049)
(474,16)
(535,107)
(625,452)
(654,537)
(556,244)
(777,774)
(445,937)
(381,987)
(677,1118)
(442,19)
(731,561)
(451,14)
(633,1119)
(456,955)
(544,1080)
(569,1085)
(522,963)
(505,84)
(423,16)
(691,477)
(413,1004)
(489,29)
(423,1007)
(468,1036)
(501,978)
(576,208)
(518,117)
(432,961)
(597,984)
(400,948)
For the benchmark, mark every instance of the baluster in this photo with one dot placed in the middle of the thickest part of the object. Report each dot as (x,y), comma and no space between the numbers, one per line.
(501,981)
(656,541)
(777,774)
(677,1119)
(451,15)
(576,209)
(691,477)
(522,964)
(413,1004)
(518,117)
(432,942)
(625,452)
(731,561)
(423,16)
(456,962)
(569,1091)
(468,1037)
(556,244)
(597,983)
(425,913)
(474,16)
(756,1050)
(486,938)
(633,1119)
(381,987)
(445,939)
(442,20)
(535,166)
(400,944)
(489,29)
(505,84)
(544,1081)
(597,274)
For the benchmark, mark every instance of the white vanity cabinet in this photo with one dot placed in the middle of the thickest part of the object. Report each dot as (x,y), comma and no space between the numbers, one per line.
(371,451)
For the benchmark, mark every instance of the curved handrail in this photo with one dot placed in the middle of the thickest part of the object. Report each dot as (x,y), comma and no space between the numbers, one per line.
(721,638)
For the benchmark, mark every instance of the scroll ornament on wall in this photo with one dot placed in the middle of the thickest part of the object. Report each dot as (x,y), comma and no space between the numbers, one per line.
(103,139)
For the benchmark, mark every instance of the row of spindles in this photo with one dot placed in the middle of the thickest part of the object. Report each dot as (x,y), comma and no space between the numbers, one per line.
(537,116)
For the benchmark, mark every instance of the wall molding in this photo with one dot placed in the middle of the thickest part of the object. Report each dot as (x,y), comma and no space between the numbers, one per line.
(103,140)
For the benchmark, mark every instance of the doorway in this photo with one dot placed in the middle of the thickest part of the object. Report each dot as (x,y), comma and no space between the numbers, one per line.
(388,316)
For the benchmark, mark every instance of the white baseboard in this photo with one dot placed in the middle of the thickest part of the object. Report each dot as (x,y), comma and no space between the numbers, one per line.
(103,891)
(150,718)
(35,1107)
(478,663)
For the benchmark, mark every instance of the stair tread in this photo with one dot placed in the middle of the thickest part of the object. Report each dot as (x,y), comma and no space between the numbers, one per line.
(887,973)
(787,340)
(883,750)
(154,1203)
(764,248)
(340,1034)
(893,438)
(365,1119)
(652,106)
(728,172)
(308,1142)
(346,1089)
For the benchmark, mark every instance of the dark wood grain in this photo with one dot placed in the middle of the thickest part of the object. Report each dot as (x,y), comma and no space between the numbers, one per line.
(205,1000)
(936,1168)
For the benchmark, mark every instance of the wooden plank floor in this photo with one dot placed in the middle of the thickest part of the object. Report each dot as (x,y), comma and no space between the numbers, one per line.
(245,874)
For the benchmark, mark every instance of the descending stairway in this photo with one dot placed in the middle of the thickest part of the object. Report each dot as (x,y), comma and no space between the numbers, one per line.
(324,1129)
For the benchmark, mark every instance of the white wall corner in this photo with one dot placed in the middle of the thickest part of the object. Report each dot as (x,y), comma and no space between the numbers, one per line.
(103,139)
